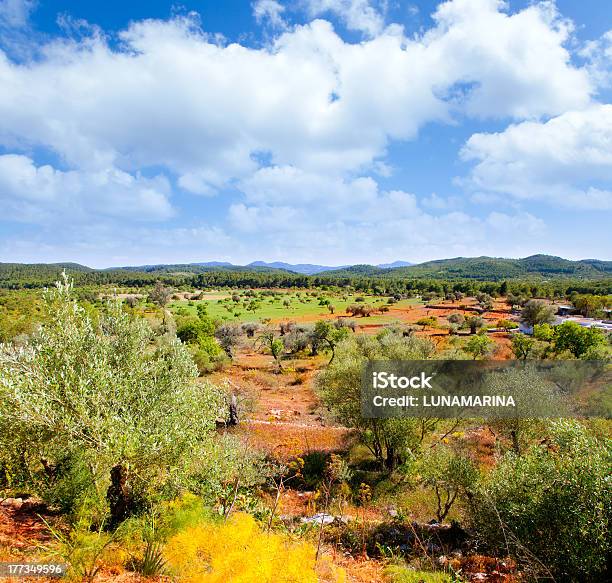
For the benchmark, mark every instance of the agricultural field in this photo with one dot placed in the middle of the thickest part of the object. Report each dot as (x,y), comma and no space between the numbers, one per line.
(277,305)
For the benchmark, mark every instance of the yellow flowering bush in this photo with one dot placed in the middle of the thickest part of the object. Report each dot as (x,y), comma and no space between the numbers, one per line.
(238,551)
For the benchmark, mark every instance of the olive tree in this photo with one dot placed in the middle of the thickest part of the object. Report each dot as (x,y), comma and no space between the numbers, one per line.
(228,336)
(474,323)
(479,346)
(327,334)
(537,312)
(160,294)
(340,388)
(267,340)
(104,391)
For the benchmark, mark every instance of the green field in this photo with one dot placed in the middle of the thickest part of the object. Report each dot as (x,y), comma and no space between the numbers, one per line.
(274,307)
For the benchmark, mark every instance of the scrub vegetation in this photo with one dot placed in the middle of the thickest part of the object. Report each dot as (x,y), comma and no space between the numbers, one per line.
(172,427)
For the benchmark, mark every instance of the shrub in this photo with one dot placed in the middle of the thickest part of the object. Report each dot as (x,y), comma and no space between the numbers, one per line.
(191,329)
(208,356)
(456,318)
(430,321)
(553,503)
(238,550)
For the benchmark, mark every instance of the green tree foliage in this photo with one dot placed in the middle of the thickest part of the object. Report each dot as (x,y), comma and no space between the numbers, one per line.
(543,332)
(590,305)
(274,345)
(326,333)
(522,346)
(94,397)
(198,333)
(479,346)
(339,385)
(20,313)
(506,325)
(449,474)
(551,506)
(192,329)
(537,312)
(577,339)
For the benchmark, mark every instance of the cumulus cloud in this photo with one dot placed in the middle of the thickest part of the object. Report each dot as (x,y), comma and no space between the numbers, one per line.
(360,15)
(173,97)
(341,219)
(302,123)
(506,64)
(42,193)
(565,161)
(269,11)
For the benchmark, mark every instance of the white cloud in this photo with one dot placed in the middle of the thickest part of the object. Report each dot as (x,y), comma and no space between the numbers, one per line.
(16,13)
(565,161)
(42,193)
(269,11)
(598,55)
(297,126)
(290,215)
(506,64)
(360,15)
(173,97)
(434,201)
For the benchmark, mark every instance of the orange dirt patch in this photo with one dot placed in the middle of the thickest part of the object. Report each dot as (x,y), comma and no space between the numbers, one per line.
(361,570)
(22,530)
(270,396)
(286,440)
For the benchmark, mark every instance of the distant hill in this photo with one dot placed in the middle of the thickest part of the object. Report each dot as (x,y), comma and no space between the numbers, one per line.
(17,275)
(394,264)
(190,268)
(38,272)
(494,268)
(313,269)
(303,268)
(362,270)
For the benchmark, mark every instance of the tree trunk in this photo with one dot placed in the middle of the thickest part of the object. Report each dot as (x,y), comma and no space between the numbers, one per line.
(515,442)
(233,412)
(119,495)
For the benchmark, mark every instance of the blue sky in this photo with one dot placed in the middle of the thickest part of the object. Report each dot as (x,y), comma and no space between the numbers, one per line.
(327,131)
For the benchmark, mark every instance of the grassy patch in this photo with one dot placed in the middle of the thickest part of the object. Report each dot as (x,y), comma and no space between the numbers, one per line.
(405,575)
(285,305)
